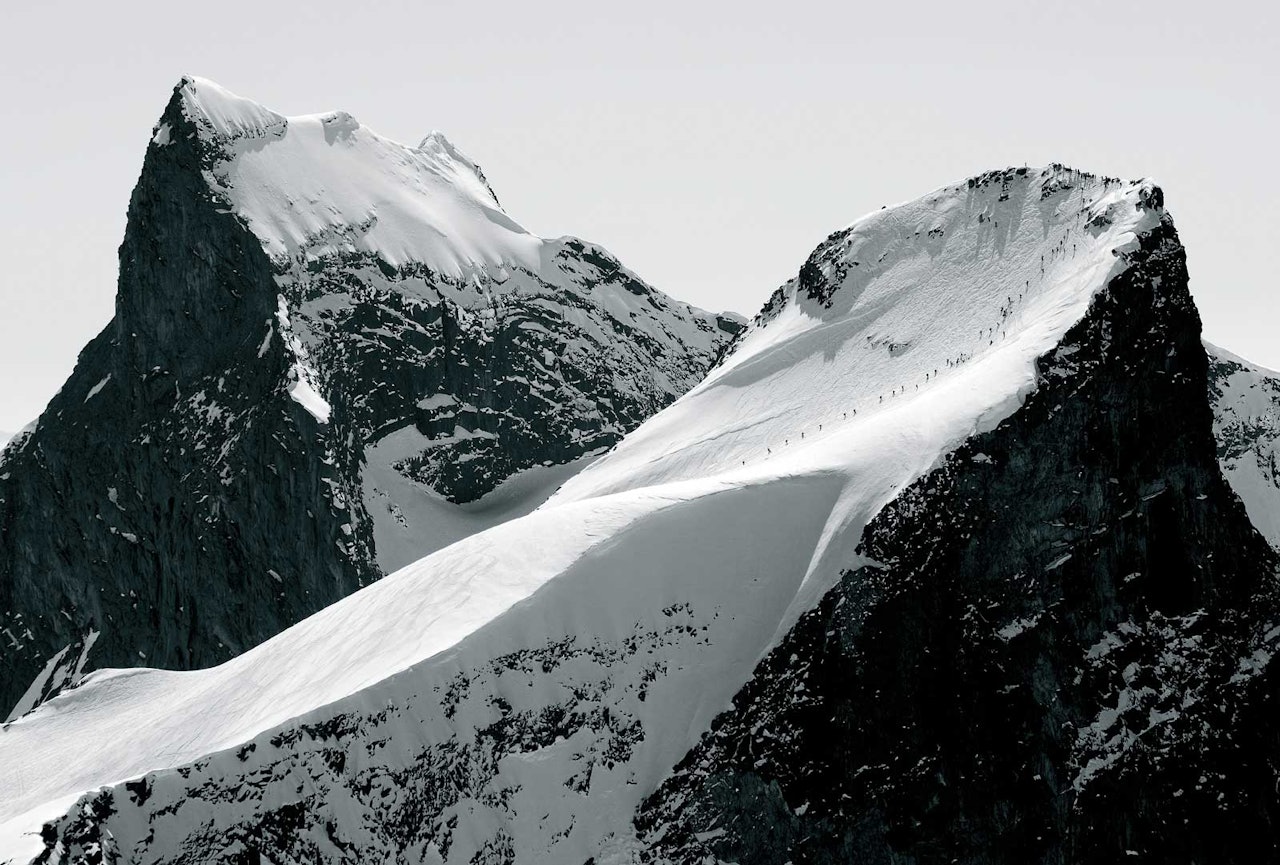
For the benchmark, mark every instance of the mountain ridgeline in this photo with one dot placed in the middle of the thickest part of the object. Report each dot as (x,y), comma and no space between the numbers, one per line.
(477,549)
(288,404)
(942,562)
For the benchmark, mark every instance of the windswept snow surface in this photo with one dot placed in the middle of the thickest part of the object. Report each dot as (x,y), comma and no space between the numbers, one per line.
(936,312)
(738,506)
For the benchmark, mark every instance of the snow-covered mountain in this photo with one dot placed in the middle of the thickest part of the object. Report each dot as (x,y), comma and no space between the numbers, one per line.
(938,563)
(1246,406)
(331,354)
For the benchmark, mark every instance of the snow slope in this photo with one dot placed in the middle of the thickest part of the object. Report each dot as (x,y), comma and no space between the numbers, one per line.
(904,334)
(655,579)
(1246,407)
(409,517)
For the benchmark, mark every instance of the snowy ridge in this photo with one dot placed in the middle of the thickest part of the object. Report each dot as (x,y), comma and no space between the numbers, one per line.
(904,334)
(320,184)
(656,578)
(1246,407)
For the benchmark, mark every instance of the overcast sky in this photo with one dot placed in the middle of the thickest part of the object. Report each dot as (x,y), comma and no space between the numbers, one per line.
(709,147)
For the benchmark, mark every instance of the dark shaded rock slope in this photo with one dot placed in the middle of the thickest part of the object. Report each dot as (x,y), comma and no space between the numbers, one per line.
(1061,656)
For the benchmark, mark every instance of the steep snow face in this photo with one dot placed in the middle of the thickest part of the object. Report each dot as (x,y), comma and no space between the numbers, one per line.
(524,688)
(1246,408)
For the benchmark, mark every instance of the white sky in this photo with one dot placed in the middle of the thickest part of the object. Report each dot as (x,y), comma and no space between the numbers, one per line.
(709,147)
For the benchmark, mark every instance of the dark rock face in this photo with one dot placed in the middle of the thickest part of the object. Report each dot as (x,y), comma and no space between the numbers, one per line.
(175,506)
(1061,657)
(516,382)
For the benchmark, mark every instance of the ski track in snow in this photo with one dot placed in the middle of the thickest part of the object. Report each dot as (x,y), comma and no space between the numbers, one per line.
(733,501)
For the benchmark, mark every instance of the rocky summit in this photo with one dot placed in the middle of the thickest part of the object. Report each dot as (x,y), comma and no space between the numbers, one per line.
(331,354)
